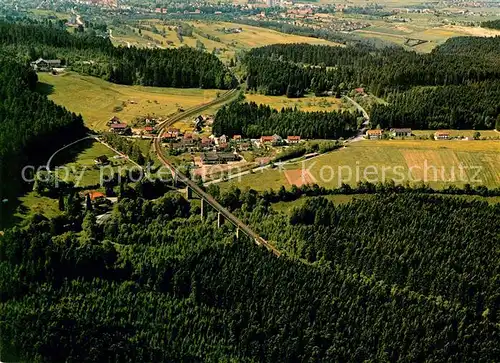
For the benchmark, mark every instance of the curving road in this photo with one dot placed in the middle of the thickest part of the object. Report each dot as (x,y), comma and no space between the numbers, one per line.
(190,184)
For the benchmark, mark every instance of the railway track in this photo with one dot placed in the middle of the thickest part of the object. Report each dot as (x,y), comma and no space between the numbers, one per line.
(193,186)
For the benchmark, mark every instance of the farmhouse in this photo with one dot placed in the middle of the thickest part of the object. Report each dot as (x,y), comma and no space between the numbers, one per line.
(236,137)
(120,129)
(101,160)
(174,131)
(222,140)
(94,195)
(169,136)
(441,135)
(293,139)
(275,139)
(114,120)
(218,158)
(374,134)
(400,132)
(206,142)
(266,139)
(42,65)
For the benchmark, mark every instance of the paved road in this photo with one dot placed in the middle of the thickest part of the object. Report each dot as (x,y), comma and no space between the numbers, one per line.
(360,136)
(362,131)
(190,184)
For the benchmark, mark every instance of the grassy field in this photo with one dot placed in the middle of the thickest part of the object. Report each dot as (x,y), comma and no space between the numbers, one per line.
(308,103)
(77,163)
(97,100)
(226,45)
(436,162)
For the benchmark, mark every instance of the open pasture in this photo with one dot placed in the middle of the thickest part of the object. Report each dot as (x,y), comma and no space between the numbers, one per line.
(98,101)
(437,163)
(309,103)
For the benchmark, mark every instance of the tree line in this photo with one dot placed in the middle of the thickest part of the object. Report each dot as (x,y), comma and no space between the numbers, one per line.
(253,121)
(31,126)
(492,24)
(128,147)
(161,285)
(96,56)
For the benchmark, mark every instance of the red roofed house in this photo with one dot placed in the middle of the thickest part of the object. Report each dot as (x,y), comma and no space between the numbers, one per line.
(237,137)
(293,139)
(114,120)
(169,136)
(206,142)
(94,195)
(360,90)
(119,128)
(266,139)
(374,134)
(149,129)
(441,135)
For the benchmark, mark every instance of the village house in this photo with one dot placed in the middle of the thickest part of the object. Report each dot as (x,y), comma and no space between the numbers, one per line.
(174,131)
(168,136)
(223,146)
(244,146)
(42,65)
(222,139)
(293,139)
(441,135)
(113,120)
(218,158)
(101,160)
(360,91)
(266,139)
(149,129)
(120,129)
(237,138)
(374,134)
(189,140)
(400,132)
(206,142)
(274,140)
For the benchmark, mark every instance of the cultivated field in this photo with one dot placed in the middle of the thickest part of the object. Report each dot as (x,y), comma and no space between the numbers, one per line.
(225,44)
(98,101)
(308,103)
(436,162)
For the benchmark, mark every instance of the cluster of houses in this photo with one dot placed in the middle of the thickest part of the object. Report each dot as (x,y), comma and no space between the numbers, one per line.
(277,140)
(378,134)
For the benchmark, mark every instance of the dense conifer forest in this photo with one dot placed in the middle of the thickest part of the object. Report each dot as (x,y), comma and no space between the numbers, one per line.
(31,127)
(397,278)
(252,121)
(96,56)
(459,81)
(493,24)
